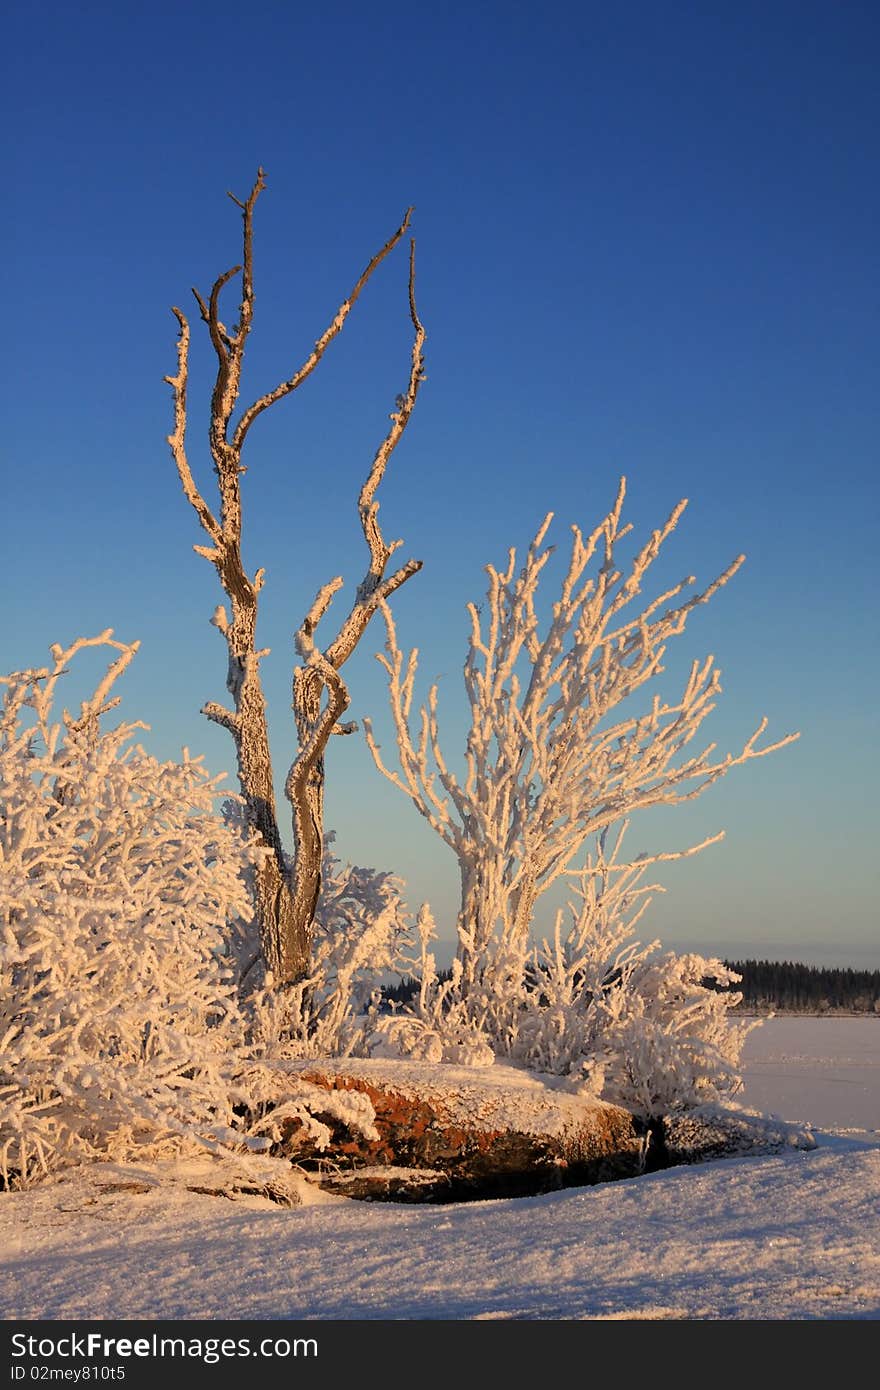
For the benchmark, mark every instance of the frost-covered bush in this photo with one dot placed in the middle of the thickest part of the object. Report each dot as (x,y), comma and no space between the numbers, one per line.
(647,1030)
(123,909)
(668,1042)
(136,1019)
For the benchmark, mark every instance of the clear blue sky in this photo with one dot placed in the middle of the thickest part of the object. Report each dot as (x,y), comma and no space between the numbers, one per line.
(647,244)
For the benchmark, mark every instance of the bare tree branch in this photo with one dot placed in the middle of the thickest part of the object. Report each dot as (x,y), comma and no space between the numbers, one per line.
(177,440)
(330,332)
(374,588)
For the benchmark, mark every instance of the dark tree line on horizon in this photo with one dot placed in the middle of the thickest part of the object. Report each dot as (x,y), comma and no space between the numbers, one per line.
(782,986)
(794,988)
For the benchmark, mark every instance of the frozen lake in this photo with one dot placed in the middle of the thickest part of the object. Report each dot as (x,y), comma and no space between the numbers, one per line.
(825,1071)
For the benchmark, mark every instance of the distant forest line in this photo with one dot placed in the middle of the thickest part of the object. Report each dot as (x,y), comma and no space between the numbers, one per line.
(786,986)
(780,986)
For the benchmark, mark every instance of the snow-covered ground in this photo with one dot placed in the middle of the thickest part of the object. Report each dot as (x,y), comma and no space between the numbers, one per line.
(791,1236)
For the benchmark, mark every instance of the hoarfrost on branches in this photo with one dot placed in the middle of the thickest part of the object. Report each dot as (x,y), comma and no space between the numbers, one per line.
(547,764)
(137,1013)
(552,764)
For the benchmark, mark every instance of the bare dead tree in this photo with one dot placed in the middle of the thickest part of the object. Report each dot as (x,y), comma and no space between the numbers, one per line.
(287,890)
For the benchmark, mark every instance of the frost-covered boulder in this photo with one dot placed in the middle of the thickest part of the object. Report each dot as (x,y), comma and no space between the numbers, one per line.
(447,1133)
(710,1132)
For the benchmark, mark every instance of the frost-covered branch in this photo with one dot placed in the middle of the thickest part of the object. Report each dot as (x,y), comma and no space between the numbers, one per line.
(36,689)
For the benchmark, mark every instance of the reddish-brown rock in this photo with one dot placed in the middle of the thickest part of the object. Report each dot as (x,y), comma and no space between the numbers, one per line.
(446,1133)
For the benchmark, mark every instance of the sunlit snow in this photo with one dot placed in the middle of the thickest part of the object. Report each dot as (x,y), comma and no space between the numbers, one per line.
(788,1236)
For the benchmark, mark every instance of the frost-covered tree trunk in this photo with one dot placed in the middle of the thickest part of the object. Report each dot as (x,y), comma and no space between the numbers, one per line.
(286,891)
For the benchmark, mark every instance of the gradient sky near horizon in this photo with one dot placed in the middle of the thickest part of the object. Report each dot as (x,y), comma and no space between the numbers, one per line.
(647,245)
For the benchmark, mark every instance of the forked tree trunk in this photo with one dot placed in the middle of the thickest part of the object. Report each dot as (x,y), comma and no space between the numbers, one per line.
(286,891)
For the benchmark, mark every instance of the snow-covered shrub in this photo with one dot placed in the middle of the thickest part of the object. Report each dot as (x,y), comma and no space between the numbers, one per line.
(123,906)
(668,1043)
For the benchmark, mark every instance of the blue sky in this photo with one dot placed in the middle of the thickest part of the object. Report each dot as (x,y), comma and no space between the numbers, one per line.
(647,244)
